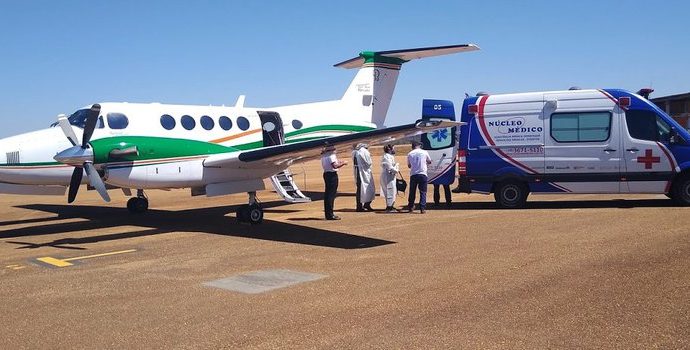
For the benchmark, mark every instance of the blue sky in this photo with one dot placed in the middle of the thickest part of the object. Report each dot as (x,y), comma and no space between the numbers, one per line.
(57,56)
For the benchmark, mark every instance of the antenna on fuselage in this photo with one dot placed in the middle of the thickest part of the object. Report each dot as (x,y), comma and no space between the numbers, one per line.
(240,101)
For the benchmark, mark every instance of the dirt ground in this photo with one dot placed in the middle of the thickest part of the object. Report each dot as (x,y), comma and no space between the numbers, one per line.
(570,271)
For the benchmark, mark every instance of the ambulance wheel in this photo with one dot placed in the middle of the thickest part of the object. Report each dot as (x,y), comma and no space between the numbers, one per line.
(137,205)
(511,194)
(681,191)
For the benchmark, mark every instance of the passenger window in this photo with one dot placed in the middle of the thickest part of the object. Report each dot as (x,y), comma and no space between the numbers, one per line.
(581,127)
(117,121)
(647,125)
(242,123)
(188,122)
(207,123)
(100,124)
(225,123)
(296,124)
(168,122)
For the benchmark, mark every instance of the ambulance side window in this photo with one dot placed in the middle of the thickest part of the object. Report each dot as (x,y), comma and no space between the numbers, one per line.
(581,126)
(647,125)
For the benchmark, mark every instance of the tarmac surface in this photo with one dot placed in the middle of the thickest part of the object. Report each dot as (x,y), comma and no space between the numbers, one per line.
(570,271)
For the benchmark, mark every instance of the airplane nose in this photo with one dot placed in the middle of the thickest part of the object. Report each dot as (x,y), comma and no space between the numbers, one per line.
(75,156)
(9,154)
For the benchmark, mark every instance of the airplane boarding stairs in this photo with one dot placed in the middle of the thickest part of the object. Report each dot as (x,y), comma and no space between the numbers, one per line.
(285,186)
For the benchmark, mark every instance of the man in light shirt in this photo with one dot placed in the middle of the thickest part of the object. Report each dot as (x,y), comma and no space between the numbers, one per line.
(330,165)
(418,160)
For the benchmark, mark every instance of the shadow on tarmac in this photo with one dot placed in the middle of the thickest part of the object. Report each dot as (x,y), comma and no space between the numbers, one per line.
(154,222)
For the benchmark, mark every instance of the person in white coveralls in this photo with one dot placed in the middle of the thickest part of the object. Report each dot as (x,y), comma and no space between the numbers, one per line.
(389,169)
(366,190)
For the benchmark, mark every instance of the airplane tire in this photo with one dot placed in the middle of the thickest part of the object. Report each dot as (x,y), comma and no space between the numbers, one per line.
(255,214)
(137,205)
(681,191)
(511,194)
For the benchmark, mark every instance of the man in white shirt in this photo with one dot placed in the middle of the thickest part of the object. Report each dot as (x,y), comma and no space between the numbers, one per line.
(330,165)
(418,160)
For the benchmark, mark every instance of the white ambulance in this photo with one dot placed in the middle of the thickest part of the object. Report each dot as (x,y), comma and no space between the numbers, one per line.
(575,141)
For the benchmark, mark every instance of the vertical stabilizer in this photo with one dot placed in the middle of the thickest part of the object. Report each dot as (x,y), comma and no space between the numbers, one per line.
(369,95)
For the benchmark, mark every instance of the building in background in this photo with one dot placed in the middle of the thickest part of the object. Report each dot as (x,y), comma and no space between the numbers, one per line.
(677,106)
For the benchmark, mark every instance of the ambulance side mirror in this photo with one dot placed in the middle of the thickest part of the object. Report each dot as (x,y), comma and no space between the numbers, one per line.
(552,104)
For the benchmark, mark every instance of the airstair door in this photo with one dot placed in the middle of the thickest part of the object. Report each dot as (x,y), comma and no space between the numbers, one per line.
(273,135)
(271,128)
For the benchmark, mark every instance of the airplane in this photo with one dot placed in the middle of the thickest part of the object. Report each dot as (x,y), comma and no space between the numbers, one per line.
(213,150)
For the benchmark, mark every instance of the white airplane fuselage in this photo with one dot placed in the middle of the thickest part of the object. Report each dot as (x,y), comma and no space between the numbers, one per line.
(28,158)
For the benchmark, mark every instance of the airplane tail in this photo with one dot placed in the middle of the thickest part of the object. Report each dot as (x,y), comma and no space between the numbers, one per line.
(369,95)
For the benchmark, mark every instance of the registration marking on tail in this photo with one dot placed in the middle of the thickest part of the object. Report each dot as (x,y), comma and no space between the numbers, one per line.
(55,262)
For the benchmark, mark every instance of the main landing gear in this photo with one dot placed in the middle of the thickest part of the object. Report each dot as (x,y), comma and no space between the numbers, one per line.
(138,204)
(252,212)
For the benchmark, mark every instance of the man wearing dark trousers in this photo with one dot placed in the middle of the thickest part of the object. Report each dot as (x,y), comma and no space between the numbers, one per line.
(330,165)
(417,161)
(437,195)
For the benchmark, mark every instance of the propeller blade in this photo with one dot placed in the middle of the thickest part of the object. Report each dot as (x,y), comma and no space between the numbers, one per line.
(67,130)
(74,184)
(96,181)
(90,125)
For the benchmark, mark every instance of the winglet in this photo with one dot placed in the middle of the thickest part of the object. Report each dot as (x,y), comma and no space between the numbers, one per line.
(401,56)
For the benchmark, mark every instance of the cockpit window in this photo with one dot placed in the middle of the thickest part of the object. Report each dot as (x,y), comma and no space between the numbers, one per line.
(78,118)
(117,120)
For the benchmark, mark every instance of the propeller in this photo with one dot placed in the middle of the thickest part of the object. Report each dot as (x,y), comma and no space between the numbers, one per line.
(80,155)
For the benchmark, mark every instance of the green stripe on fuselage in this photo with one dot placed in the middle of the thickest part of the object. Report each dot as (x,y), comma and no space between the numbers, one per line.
(151,148)
(160,148)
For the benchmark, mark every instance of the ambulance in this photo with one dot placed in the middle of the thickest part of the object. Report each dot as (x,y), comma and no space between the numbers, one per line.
(574,141)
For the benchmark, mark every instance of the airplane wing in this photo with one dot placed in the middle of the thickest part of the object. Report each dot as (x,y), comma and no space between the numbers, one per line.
(288,154)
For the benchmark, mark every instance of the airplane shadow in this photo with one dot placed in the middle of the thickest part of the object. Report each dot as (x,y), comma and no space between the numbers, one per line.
(155,222)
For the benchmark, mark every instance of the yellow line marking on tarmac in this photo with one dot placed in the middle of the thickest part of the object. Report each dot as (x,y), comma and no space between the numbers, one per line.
(66,262)
(99,255)
(54,262)
(15,267)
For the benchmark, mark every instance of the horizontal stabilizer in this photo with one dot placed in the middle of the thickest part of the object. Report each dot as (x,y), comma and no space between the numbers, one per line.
(405,55)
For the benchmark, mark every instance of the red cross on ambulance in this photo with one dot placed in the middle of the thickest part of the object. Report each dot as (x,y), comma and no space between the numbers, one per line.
(648,159)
